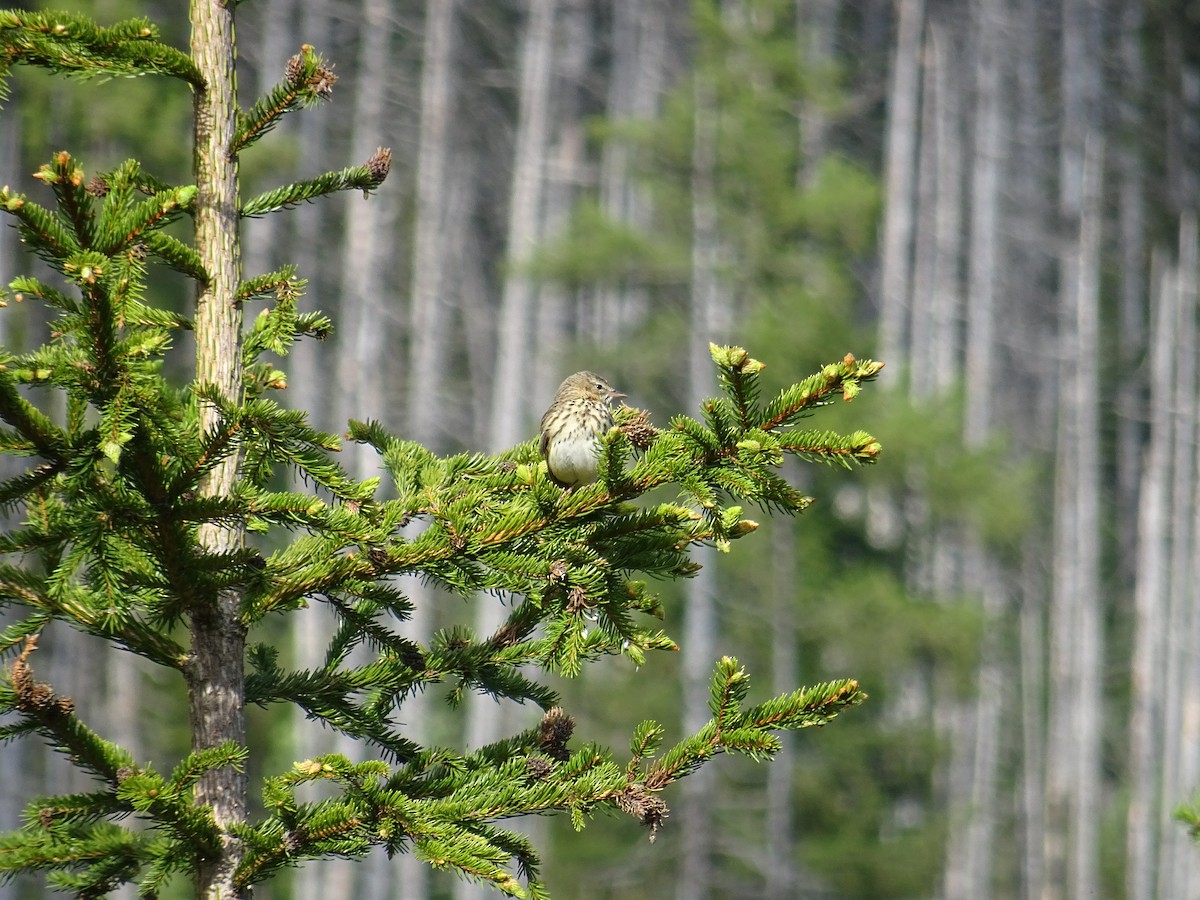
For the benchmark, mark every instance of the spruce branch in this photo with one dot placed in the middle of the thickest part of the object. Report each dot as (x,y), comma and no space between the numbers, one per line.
(307,81)
(365,178)
(74,45)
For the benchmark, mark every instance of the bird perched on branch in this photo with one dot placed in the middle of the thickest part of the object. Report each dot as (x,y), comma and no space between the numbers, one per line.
(572,427)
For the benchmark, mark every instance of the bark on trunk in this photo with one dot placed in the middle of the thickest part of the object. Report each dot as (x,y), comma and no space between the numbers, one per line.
(433,242)
(215,669)
(368,326)
(899,183)
(700,624)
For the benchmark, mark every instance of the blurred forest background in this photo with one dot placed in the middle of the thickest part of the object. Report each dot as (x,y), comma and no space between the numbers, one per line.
(996,197)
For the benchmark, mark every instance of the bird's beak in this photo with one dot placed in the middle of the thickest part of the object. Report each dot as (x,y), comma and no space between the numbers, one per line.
(615,395)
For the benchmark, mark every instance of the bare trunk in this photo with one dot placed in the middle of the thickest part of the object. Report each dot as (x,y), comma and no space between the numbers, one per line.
(637,74)
(508,413)
(984,268)
(1131,338)
(1177,763)
(524,225)
(368,322)
(438,238)
(215,669)
(697,821)
(433,242)
(899,182)
(566,175)
(1146,713)
(1031,811)
(782,878)
(1073,756)
(816,21)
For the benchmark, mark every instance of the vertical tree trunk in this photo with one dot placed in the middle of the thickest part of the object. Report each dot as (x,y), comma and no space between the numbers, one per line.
(367,324)
(510,385)
(816,23)
(1174,848)
(215,669)
(782,878)
(438,235)
(1072,776)
(433,242)
(637,73)
(903,125)
(524,225)
(1183,872)
(1131,223)
(1090,625)
(1031,808)
(947,283)
(1028,325)
(1146,715)
(983,271)
(708,316)
(566,174)
(309,385)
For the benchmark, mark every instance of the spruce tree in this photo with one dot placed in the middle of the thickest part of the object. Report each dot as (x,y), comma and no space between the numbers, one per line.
(139,494)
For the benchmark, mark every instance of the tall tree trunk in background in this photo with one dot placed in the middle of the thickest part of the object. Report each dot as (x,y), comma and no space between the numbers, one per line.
(1027,324)
(276,23)
(1177,763)
(636,78)
(1183,872)
(524,226)
(310,388)
(309,383)
(510,386)
(1131,225)
(565,178)
(816,23)
(927,194)
(1073,758)
(782,878)
(708,322)
(903,125)
(370,316)
(1150,593)
(970,848)
(946,284)
(1073,748)
(368,322)
(433,242)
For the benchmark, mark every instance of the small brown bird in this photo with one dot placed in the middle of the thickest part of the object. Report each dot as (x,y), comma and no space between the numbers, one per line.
(572,428)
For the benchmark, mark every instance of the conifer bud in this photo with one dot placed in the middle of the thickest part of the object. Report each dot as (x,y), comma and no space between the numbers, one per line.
(556,729)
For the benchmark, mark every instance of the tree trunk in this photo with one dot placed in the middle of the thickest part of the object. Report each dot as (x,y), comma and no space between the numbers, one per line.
(1072,777)
(1176,763)
(510,385)
(1131,336)
(215,668)
(433,242)
(524,225)
(637,74)
(696,807)
(903,124)
(1150,591)
(368,323)
(782,877)
(565,175)
(438,235)
(816,23)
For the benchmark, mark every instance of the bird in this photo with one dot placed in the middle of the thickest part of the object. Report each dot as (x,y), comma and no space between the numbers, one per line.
(572,427)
